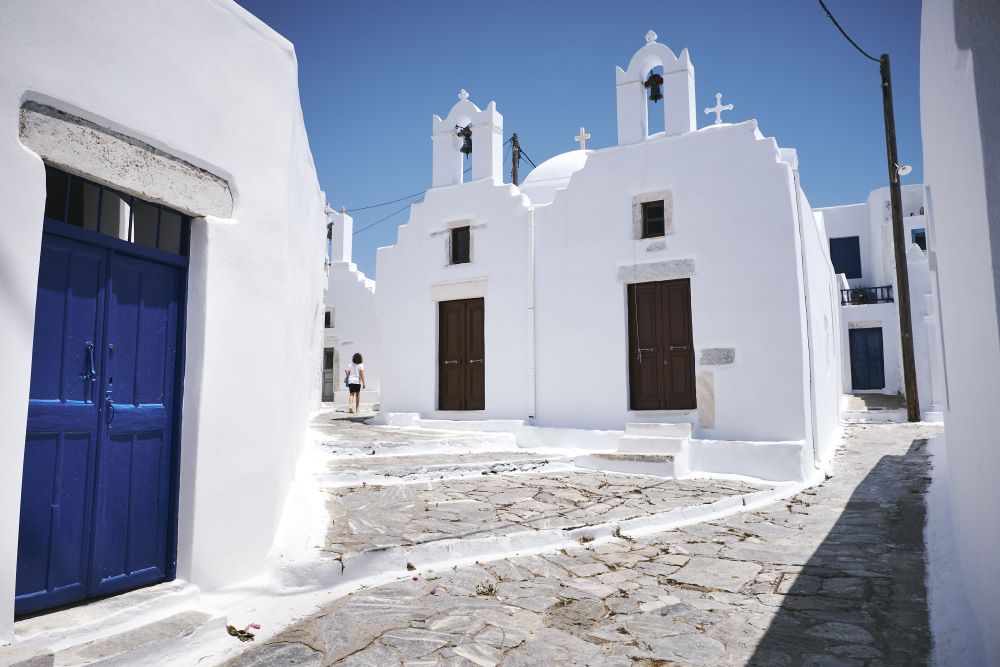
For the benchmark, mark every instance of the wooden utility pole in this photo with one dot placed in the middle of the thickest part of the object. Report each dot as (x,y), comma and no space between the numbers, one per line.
(899,249)
(515,157)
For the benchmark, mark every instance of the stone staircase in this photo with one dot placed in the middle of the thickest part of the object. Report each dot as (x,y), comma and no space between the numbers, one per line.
(646,449)
(146,626)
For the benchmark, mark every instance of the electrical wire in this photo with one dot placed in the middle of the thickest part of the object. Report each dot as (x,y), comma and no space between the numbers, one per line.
(385,203)
(396,212)
(846,36)
(366,227)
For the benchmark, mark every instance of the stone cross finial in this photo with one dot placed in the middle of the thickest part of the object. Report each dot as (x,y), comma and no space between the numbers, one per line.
(462,95)
(582,139)
(650,37)
(718,108)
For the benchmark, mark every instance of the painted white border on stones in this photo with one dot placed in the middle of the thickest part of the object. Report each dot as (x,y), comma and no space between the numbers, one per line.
(300,588)
(784,461)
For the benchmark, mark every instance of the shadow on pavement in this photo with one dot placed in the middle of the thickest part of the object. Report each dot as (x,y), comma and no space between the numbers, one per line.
(861,597)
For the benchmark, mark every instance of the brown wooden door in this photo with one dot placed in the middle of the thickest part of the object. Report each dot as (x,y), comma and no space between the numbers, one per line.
(461,355)
(661,349)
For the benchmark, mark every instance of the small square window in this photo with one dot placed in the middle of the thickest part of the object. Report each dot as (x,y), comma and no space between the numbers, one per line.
(919,236)
(652,219)
(460,245)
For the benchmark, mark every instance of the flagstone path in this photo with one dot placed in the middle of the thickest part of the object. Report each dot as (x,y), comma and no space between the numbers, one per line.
(831,576)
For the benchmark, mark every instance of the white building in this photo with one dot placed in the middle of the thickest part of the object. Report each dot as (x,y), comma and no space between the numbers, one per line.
(663,279)
(162,283)
(350,325)
(959,97)
(861,249)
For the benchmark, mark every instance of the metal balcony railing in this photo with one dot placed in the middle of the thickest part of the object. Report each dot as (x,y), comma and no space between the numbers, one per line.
(864,295)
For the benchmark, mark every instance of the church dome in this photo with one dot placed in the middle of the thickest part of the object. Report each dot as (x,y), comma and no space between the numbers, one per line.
(553,174)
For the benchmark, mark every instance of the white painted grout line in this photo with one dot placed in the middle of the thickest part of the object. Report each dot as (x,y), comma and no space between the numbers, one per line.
(297,590)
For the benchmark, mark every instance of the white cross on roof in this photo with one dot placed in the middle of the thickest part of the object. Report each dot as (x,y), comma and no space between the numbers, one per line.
(718,108)
(582,139)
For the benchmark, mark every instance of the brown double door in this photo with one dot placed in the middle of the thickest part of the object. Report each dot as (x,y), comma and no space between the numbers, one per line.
(661,350)
(461,355)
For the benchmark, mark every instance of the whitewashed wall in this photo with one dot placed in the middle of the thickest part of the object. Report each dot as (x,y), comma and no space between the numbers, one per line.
(959,96)
(415,274)
(205,81)
(350,297)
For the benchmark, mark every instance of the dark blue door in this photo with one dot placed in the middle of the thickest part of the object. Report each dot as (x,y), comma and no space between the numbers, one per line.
(97,491)
(867,362)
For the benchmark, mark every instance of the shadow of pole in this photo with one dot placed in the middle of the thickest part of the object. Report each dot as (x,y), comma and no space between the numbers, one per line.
(861,597)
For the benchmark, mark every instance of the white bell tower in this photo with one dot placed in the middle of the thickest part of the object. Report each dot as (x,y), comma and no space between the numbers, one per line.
(487,143)
(678,92)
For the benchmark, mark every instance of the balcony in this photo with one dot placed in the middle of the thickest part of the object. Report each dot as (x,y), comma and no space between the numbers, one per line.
(857,296)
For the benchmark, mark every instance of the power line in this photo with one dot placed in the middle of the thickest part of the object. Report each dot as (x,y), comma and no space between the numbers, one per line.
(386,217)
(846,36)
(385,203)
(408,205)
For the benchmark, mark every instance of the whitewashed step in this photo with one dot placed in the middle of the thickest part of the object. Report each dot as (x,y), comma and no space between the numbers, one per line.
(659,465)
(149,644)
(682,430)
(17,655)
(650,444)
(79,624)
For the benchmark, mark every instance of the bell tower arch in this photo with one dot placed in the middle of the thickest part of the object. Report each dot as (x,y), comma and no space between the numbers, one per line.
(486,128)
(678,92)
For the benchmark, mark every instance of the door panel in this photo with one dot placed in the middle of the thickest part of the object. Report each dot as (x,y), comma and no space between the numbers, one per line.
(661,348)
(451,339)
(54,527)
(645,355)
(134,461)
(475,384)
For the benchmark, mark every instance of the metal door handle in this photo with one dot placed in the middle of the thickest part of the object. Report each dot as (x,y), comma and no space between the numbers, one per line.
(90,373)
(678,347)
(647,349)
(475,361)
(109,408)
(450,361)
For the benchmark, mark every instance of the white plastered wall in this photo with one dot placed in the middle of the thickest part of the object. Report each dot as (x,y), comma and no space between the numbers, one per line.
(217,88)
(414,275)
(350,298)
(959,96)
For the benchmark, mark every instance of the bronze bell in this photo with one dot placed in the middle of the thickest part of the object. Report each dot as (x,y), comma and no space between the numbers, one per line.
(466,134)
(653,83)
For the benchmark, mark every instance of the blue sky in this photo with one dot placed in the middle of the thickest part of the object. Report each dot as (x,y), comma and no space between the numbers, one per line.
(372,72)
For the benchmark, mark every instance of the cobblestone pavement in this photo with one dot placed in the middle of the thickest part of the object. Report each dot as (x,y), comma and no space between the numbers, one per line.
(831,576)
(374,518)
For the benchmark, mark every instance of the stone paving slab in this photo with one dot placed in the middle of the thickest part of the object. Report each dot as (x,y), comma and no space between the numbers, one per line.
(831,576)
(372,517)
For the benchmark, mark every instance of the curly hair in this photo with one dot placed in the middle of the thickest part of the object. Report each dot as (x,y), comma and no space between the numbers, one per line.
(356,358)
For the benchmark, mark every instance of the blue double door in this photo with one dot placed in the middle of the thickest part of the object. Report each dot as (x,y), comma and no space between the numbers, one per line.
(97,500)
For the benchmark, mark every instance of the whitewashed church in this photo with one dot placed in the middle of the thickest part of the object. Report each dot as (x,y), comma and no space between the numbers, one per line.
(677,278)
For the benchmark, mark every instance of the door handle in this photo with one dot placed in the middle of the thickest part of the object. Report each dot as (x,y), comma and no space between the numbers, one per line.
(90,374)
(647,349)
(109,408)
(475,361)
(450,361)
(678,347)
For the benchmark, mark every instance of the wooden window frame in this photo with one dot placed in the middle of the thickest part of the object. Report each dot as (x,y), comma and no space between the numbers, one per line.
(455,254)
(646,220)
